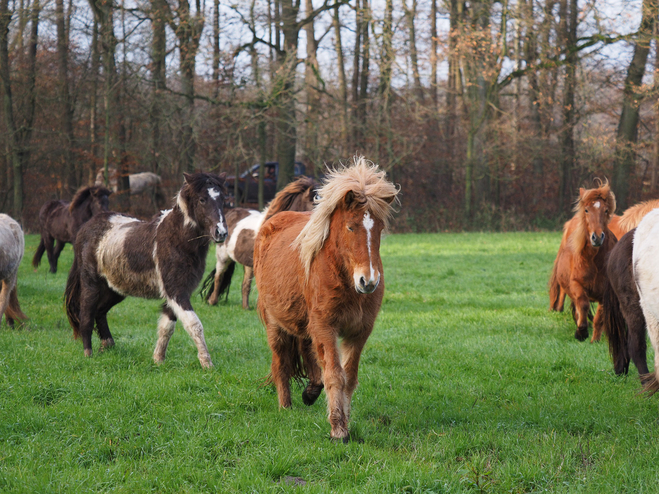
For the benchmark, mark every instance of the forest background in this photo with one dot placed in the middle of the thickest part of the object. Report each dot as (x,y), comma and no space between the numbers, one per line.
(490,114)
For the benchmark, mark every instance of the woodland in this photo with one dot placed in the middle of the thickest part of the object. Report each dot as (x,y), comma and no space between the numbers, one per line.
(489,114)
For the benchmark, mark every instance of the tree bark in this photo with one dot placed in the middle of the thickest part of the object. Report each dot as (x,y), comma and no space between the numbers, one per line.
(343,84)
(410,16)
(158,53)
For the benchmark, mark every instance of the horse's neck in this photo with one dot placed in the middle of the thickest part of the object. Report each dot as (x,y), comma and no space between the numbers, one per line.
(190,236)
(82,213)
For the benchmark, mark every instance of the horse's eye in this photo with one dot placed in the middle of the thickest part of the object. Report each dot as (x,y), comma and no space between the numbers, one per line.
(350,229)
(202,201)
(586,210)
(606,211)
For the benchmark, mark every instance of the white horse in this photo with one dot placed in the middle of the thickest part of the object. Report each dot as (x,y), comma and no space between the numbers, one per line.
(645,262)
(12,248)
(139,182)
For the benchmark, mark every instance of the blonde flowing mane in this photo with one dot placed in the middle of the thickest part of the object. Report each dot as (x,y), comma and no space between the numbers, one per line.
(369,184)
(579,235)
(633,216)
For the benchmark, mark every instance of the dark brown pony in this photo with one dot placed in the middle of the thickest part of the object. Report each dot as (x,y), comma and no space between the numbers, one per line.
(116,256)
(622,317)
(243,226)
(579,266)
(60,221)
(320,278)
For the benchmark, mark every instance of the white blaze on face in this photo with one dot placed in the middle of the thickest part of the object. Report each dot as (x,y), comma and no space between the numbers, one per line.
(214,193)
(368,225)
(597,204)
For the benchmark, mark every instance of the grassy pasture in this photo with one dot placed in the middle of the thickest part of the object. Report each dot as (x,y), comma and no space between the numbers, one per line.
(468,384)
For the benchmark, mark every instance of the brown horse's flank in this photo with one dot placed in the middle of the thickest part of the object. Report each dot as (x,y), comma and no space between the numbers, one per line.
(117,256)
(60,221)
(579,266)
(316,287)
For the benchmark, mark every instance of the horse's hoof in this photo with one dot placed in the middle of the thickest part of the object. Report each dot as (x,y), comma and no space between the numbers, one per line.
(88,352)
(311,394)
(206,364)
(107,343)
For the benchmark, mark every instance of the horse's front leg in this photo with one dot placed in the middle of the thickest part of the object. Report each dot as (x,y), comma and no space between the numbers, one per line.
(166,327)
(247,286)
(59,246)
(597,324)
(651,381)
(582,307)
(49,244)
(314,373)
(351,351)
(183,310)
(334,378)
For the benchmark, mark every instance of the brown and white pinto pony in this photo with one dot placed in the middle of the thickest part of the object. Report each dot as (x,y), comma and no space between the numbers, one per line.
(118,256)
(60,221)
(619,225)
(320,278)
(243,226)
(579,269)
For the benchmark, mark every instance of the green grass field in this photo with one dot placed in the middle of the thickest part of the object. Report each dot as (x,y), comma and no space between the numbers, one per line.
(468,384)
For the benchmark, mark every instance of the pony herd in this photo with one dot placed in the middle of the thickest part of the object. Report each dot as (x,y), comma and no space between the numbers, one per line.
(614,261)
(314,252)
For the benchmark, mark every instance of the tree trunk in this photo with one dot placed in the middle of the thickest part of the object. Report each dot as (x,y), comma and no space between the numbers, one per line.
(93,103)
(343,84)
(625,157)
(410,15)
(433,52)
(158,53)
(312,80)
(69,178)
(216,46)
(365,69)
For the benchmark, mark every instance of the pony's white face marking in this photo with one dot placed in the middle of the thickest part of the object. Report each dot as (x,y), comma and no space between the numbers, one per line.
(214,193)
(597,204)
(368,226)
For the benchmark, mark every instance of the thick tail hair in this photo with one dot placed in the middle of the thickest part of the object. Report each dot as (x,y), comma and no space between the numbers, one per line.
(615,328)
(72,296)
(554,287)
(208,286)
(14,308)
(292,348)
(36,260)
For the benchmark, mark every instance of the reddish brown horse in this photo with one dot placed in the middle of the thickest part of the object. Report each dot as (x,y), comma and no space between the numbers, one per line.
(579,269)
(320,278)
(619,225)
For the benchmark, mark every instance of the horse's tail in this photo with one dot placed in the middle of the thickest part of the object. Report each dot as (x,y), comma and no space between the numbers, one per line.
(290,347)
(615,328)
(14,308)
(554,287)
(208,287)
(72,295)
(36,260)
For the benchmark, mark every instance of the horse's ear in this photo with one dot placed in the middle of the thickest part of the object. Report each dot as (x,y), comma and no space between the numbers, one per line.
(187,178)
(581,191)
(349,199)
(223,177)
(390,199)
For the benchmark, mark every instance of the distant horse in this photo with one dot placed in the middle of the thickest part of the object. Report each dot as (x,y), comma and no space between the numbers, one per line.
(320,278)
(622,316)
(12,247)
(139,182)
(239,248)
(619,225)
(579,266)
(645,263)
(60,221)
(116,256)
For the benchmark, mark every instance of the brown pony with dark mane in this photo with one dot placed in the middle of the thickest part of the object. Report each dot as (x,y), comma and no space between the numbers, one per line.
(320,278)
(579,269)
(60,221)
(243,226)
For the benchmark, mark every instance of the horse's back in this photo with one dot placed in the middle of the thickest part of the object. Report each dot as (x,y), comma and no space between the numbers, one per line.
(12,246)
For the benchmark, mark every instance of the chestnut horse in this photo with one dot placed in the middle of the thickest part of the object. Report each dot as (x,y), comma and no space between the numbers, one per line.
(60,221)
(116,256)
(320,278)
(243,226)
(579,266)
(619,225)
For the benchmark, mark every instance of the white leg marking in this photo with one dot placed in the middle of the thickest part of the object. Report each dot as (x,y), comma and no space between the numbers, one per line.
(165,331)
(194,328)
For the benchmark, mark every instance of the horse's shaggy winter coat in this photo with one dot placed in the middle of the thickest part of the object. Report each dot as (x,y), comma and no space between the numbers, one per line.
(243,226)
(579,266)
(118,256)
(12,247)
(320,278)
(60,221)
(619,225)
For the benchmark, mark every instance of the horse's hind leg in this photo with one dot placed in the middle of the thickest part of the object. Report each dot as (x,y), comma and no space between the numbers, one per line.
(247,286)
(89,298)
(182,308)
(166,327)
(597,325)
(314,373)
(223,261)
(561,300)
(281,369)
(108,300)
(59,246)
(49,244)
(7,286)
(650,382)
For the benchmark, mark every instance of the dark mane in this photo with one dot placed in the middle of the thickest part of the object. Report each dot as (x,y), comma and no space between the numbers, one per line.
(198,181)
(284,200)
(83,194)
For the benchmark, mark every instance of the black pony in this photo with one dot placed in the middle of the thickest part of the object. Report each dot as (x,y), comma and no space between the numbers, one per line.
(623,320)
(118,256)
(60,221)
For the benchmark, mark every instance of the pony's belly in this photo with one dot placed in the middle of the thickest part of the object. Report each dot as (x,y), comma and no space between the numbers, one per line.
(141,285)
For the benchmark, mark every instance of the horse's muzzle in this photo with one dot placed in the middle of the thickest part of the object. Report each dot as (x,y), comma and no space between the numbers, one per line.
(595,240)
(218,236)
(365,287)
